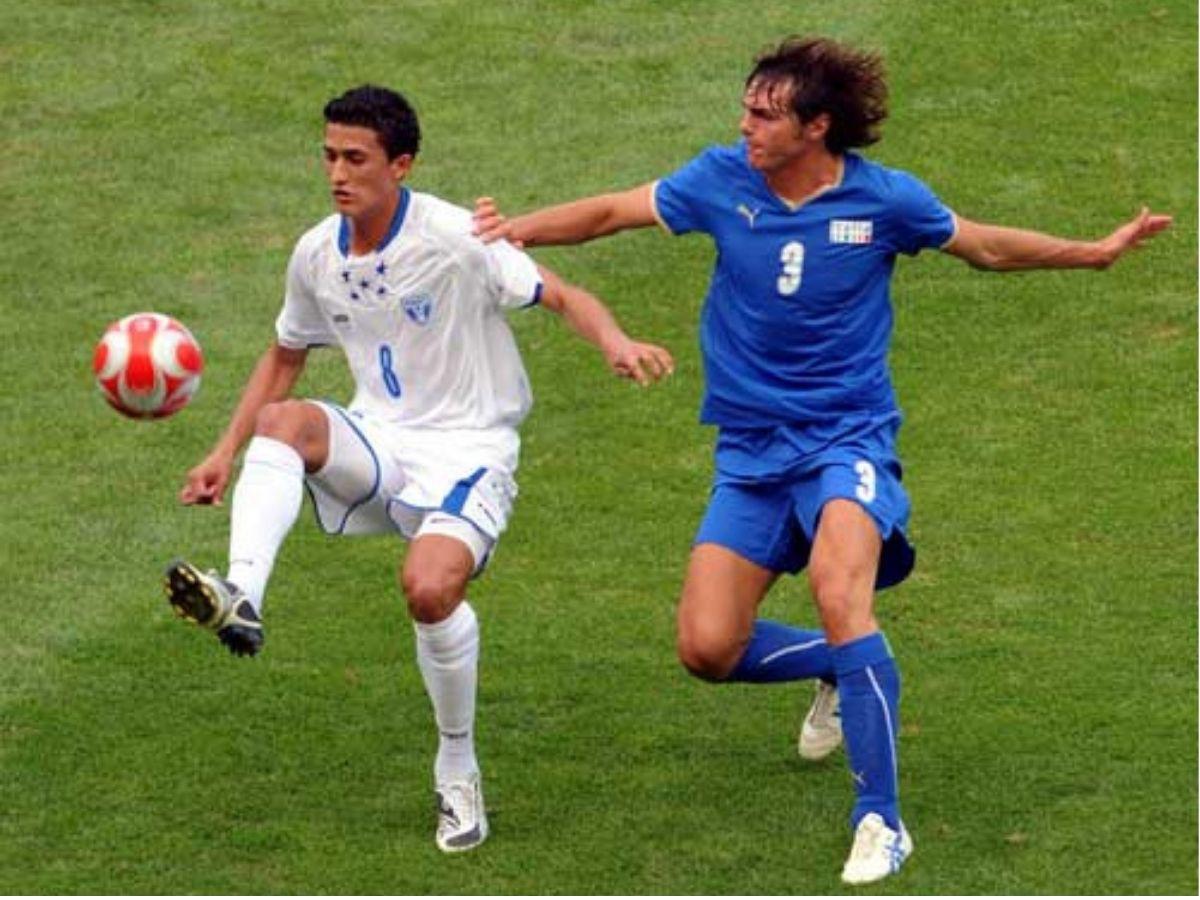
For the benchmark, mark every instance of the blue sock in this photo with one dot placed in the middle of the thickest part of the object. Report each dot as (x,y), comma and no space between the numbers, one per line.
(869,691)
(779,652)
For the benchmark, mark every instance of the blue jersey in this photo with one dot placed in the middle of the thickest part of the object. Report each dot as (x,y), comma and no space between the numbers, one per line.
(798,317)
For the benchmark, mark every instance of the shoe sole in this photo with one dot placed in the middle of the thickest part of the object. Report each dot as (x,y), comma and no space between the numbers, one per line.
(476,836)
(815,751)
(189,596)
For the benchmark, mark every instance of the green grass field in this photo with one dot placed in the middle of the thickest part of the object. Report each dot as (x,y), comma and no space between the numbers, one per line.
(163,154)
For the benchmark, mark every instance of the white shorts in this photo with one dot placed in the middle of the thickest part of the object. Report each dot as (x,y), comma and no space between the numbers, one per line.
(379,478)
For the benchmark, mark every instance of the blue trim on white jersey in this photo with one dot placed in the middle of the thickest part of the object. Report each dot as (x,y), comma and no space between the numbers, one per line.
(357,503)
(343,236)
(536,299)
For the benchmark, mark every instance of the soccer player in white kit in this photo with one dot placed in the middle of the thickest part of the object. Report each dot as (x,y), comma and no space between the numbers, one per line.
(427,448)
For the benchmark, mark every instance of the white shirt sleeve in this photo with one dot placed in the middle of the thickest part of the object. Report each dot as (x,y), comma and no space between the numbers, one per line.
(301,323)
(512,276)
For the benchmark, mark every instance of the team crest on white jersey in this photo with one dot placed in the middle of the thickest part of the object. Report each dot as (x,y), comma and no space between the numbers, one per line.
(419,308)
(850,231)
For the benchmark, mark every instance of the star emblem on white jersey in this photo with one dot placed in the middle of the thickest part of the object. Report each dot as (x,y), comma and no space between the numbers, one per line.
(365,286)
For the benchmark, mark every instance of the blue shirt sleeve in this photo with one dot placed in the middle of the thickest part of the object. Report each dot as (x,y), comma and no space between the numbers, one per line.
(919,219)
(682,200)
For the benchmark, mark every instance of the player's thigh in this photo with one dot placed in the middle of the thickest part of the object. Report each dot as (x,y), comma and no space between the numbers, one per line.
(717,608)
(842,569)
(351,490)
(440,562)
(302,424)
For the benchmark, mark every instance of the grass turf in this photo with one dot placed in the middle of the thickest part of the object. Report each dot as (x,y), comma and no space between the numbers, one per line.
(163,155)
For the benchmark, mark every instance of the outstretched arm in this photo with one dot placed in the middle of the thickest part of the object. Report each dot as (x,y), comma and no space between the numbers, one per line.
(591,320)
(1007,249)
(568,223)
(273,379)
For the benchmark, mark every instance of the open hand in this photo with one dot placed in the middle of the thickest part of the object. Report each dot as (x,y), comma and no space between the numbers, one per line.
(1130,236)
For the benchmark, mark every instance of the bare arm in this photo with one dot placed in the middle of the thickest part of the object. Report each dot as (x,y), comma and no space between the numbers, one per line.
(1007,249)
(591,320)
(568,223)
(273,378)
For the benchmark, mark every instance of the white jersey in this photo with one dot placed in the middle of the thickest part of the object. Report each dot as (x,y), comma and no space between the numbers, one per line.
(420,319)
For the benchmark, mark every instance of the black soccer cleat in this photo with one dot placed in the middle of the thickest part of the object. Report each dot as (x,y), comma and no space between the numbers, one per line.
(243,631)
(211,602)
(197,597)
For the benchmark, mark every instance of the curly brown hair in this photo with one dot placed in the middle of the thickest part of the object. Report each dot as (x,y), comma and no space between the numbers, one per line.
(824,76)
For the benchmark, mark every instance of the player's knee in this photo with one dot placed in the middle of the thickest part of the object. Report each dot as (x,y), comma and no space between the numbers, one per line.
(830,588)
(298,424)
(282,421)
(844,602)
(431,594)
(708,656)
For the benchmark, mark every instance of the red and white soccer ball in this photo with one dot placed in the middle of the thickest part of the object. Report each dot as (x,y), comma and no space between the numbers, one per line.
(147,366)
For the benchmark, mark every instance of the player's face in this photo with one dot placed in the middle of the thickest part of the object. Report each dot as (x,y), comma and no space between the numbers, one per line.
(774,135)
(362,179)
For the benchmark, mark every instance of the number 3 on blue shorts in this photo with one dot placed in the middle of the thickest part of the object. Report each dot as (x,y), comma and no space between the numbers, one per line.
(866,481)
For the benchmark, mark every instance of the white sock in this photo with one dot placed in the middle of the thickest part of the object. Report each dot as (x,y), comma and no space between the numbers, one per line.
(266,503)
(448,656)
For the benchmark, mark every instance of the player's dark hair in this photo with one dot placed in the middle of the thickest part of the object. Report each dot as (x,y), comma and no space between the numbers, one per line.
(827,77)
(384,111)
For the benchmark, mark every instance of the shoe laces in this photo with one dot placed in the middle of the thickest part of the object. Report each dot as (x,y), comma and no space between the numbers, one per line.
(456,805)
(870,837)
(825,705)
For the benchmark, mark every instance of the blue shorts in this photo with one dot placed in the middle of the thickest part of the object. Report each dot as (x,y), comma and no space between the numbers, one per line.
(772,521)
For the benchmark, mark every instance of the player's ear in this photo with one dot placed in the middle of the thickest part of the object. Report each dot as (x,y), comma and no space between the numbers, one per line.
(817,127)
(401,166)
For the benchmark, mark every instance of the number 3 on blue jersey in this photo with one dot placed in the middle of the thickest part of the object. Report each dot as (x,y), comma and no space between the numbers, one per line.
(390,381)
(791,268)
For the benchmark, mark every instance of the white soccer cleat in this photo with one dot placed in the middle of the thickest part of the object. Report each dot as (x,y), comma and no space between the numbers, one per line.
(462,820)
(878,851)
(821,730)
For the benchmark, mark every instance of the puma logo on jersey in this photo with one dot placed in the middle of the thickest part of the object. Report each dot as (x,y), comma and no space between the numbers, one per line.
(419,308)
(750,214)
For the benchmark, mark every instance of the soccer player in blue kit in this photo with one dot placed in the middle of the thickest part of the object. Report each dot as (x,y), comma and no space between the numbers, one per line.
(794,336)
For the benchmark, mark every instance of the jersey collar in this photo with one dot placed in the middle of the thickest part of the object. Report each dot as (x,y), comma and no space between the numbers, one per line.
(793,205)
(343,238)
(844,164)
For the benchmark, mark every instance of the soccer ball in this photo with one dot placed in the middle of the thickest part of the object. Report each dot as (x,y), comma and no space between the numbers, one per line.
(147,366)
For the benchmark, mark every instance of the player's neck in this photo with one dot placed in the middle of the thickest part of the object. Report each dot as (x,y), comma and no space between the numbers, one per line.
(806,175)
(368,230)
